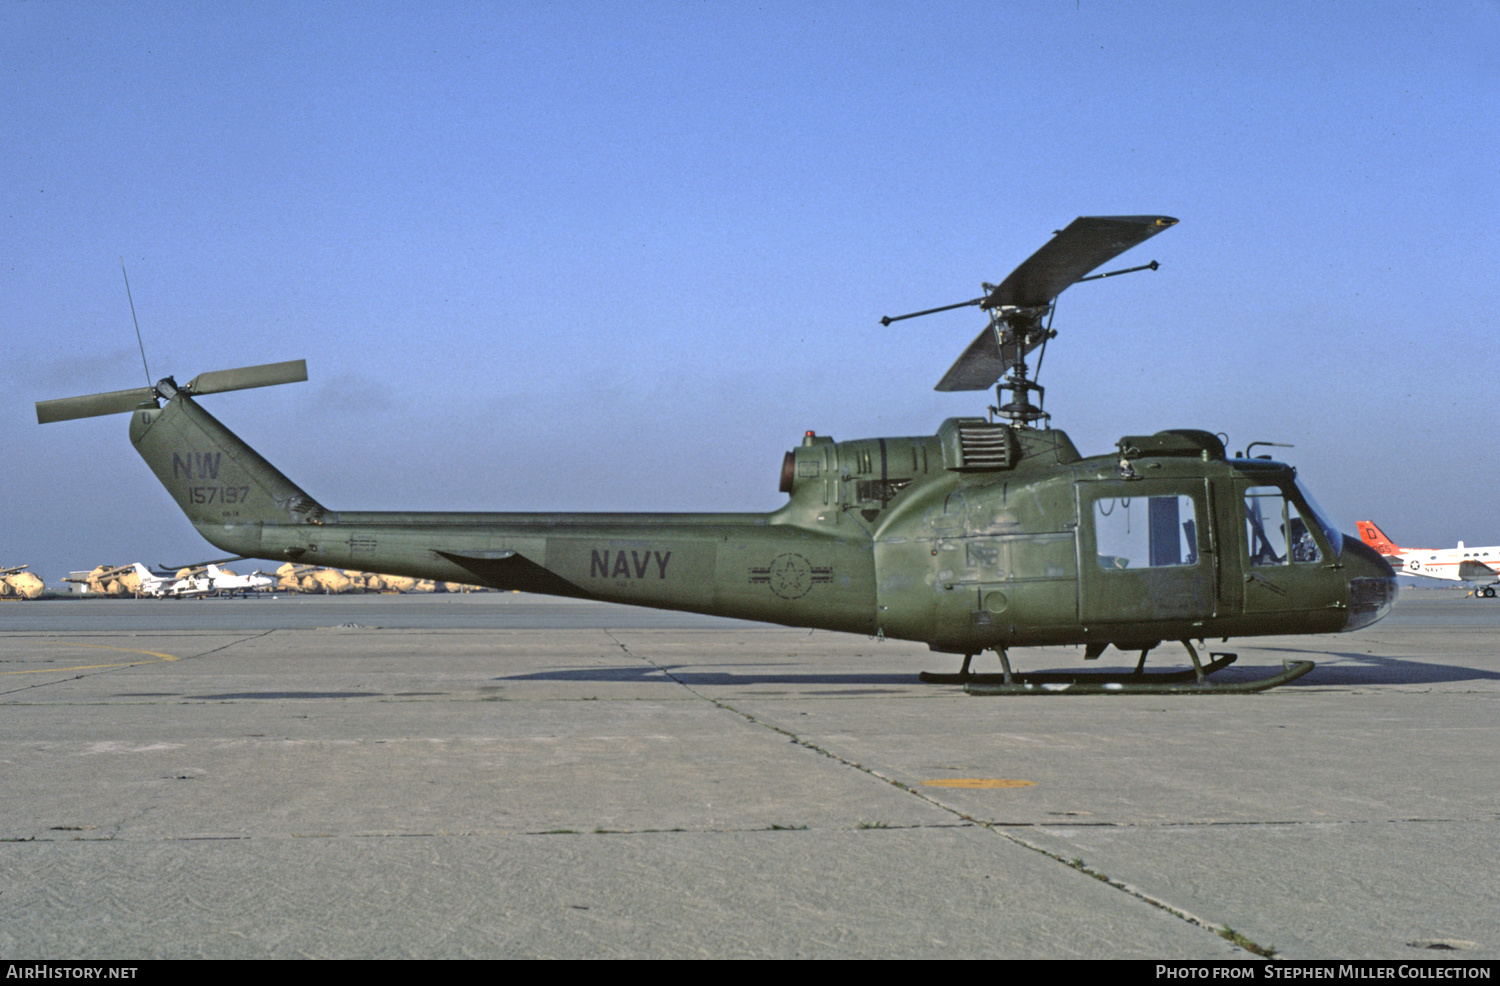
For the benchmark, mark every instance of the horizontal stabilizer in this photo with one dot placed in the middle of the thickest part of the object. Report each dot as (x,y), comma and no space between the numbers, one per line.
(92,405)
(247,377)
(505,569)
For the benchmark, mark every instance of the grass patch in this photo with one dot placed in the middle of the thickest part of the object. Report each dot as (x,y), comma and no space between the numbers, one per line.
(1230,935)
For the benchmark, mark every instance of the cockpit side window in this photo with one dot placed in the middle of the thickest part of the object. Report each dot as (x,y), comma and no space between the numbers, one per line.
(1320,516)
(1275,531)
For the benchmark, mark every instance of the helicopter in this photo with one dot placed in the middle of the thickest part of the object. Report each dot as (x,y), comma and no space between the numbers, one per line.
(310,578)
(108,580)
(994,533)
(18,583)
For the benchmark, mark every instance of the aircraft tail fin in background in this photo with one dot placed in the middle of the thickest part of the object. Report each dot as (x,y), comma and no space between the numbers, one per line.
(1373,537)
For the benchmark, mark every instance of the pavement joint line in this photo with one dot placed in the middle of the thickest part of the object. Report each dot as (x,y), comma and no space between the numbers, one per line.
(104,669)
(1222,930)
(65,839)
(232,643)
(1227,823)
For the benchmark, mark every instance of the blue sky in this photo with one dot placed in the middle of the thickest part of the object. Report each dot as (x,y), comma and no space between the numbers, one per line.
(605,256)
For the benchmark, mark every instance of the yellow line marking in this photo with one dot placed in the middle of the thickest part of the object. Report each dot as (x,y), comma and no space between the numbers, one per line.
(94,667)
(977,782)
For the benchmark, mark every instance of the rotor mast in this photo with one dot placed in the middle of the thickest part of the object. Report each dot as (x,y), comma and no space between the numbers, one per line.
(1018,331)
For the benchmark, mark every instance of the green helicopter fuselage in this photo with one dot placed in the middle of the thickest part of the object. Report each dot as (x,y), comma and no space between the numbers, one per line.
(982,536)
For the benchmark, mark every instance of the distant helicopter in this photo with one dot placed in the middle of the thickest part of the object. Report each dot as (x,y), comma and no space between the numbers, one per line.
(990,535)
(18,583)
(310,578)
(381,582)
(109,580)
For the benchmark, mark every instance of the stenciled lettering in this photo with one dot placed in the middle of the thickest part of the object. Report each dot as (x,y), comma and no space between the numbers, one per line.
(627,564)
(196,465)
(218,494)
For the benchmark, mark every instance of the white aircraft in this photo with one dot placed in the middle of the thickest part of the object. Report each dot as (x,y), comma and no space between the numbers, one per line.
(1458,564)
(211,579)
(227,583)
(159,586)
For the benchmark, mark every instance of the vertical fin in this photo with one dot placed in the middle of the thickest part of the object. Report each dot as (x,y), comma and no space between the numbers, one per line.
(1376,539)
(225,487)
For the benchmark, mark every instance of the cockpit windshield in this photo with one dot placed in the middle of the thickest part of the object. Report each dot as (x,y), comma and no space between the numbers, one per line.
(1334,536)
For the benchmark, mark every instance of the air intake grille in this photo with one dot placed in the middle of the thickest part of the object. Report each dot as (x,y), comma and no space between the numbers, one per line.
(986,446)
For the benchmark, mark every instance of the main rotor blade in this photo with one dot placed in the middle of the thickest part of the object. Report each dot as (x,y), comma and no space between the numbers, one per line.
(246,377)
(92,405)
(204,564)
(980,365)
(1087,242)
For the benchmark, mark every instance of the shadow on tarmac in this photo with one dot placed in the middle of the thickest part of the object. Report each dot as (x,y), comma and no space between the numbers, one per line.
(1333,670)
(1368,669)
(658,675)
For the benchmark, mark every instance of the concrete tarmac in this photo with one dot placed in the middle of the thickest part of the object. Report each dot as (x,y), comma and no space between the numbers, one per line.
(503,776)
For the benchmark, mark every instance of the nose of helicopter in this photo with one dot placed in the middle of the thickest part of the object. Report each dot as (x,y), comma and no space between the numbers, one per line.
(1372,583)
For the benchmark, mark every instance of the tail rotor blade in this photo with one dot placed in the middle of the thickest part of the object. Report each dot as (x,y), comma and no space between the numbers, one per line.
(246,377)
(215,382)
(92,405)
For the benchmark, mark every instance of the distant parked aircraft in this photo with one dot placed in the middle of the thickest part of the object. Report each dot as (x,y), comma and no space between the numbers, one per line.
(1458,564)
(17,583)
(225,583)
(152,584)
(107,580)
(310,578)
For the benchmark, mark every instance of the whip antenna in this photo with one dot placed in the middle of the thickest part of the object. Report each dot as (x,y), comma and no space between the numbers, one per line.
(136,321)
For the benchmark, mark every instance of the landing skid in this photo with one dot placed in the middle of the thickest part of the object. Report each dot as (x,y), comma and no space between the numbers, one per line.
(1138,682)
(1176,683)
(1039,678)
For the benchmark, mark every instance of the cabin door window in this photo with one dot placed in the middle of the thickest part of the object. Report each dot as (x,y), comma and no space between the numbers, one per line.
(1145,531)
(1145,552)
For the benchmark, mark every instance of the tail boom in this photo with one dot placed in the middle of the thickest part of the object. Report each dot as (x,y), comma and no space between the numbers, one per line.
(742,565)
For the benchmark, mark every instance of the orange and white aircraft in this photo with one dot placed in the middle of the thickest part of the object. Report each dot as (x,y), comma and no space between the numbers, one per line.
(1459,564)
